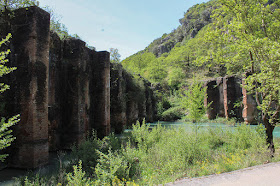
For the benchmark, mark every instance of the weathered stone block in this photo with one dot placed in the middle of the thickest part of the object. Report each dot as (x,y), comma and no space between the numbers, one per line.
(221,109)
(55,85)
(232,97)
(100,85)
(118,99)
(75,92)
(150,102)
(30,53)
(212,99)
(250,112)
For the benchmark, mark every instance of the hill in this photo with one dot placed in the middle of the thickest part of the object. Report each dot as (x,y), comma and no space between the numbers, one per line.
(171,59)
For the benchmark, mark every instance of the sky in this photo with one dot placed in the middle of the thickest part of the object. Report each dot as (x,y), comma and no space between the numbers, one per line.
(128,25)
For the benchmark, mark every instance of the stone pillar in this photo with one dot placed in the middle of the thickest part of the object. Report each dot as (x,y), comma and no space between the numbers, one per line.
(141,99)
(228,85)
(212,98)
(232,97)
(101,94)
(132,93)
(55,86)
(149,102)
(221,109)
(117,99)
(30,53)
(250,112)
(75,93)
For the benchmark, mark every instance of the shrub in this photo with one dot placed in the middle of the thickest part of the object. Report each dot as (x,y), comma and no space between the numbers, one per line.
(78,177)
(87,151)
(110,167)
(172,114)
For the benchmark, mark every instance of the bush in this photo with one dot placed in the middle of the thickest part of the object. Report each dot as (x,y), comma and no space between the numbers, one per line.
(110,167)
(87,151)
(78,177)
(172,114)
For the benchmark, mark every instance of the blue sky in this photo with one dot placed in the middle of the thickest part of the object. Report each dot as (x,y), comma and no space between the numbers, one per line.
(128,25)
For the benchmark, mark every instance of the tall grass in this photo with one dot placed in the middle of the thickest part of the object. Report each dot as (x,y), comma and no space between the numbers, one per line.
(159,155)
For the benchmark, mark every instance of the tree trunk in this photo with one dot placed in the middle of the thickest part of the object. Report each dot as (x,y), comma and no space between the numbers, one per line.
(269,134)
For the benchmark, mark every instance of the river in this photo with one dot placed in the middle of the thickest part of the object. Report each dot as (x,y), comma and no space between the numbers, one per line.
(204,126)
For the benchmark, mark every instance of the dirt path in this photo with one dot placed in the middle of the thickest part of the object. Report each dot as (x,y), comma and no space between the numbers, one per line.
(268,174)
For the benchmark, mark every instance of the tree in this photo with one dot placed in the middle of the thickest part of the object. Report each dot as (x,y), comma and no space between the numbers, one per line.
(15,4)
(193,101)
(5,133)
(246,36)
(115,57)
(56,25)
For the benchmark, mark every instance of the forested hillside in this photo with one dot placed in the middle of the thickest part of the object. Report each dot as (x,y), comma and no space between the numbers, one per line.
(214,39)
(186,52)
(173,57)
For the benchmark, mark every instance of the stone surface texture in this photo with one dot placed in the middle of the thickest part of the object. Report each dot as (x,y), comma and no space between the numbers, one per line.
(64,90)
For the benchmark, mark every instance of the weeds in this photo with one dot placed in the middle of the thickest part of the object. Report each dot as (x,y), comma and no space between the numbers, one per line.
(160,155)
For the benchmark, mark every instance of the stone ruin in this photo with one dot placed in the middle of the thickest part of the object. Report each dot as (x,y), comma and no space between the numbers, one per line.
(63,90)
(228,99)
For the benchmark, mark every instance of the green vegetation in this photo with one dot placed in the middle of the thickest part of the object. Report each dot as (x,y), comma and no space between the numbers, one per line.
(6,137)
(245,37)
(171,59)
(214,39)
(160,155)
(193,101)
(15,4)
(115,56)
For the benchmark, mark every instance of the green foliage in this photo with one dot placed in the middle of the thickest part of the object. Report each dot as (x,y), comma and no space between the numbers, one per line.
(111,166)
(6,137)
(56,25)
(159,155)
(182,47)
(166,154)
(3,60)
(15,4)
(175,77)
(169,107)
(172,114)
(245,37)
(88,151)
(138,63)
(78,177)
(115,57)
(38,181)
(193,101)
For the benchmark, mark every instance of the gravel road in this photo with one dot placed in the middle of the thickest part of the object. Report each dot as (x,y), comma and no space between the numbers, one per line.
(267,174)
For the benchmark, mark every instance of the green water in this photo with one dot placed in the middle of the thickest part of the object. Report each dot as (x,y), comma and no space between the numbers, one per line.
(203,126)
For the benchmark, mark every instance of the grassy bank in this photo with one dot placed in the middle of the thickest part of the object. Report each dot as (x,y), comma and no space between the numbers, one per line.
(149,157)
